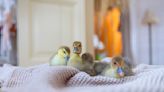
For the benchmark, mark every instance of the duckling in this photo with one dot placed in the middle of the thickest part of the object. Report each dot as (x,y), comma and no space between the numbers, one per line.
(88,64)
(114,68)
(127,67)
(99,67)
(61,57)
(75,59)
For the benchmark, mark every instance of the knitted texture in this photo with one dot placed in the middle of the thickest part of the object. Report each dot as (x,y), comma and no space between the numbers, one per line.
(145,79)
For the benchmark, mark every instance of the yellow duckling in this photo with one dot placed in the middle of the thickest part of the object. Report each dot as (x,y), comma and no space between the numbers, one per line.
(75,59)
(115,68)
(62,56)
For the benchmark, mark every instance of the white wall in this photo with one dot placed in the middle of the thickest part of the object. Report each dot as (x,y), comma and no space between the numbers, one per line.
(89,7)
(140,32)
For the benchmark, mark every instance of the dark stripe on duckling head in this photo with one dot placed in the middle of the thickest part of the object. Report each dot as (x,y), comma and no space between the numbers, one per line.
(77,47)
(66,48)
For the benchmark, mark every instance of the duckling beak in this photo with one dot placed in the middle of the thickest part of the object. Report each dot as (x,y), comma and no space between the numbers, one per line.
(120,72)
(75,49)
(67,58)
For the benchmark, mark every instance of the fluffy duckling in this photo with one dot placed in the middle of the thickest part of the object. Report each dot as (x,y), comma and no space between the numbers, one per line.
(99,67)
(115,68)
(61,57)
(88,64)
(127,67)
(75,59)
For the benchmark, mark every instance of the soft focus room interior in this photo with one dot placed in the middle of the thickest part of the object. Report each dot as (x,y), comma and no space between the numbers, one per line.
(81,45)
(32,30)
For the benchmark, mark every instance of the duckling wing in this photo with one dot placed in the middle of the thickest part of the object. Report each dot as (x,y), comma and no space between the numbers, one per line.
(99,67)
(127,70)
(110,72)
(89,68)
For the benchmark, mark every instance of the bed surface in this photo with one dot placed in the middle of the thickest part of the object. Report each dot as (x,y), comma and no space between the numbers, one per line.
(45,78)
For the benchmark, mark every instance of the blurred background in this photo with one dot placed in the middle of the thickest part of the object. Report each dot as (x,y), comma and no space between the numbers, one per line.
(8,32)
(112,25)
(32,30)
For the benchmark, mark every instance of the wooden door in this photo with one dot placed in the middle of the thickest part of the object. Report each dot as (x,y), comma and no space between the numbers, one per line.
(45,25)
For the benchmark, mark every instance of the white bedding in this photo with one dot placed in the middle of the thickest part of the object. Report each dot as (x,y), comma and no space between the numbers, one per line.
(44,78)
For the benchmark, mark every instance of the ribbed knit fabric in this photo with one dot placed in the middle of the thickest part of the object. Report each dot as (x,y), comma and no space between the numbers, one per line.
(146,79)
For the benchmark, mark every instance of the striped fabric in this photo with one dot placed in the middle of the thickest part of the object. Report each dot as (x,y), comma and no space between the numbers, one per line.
(146,79)
(19,77)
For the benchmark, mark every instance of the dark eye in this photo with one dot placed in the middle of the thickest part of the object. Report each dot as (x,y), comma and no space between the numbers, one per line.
(64,52)
(115,63)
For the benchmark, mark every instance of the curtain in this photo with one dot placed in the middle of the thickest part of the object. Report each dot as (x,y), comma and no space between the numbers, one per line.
(111,36)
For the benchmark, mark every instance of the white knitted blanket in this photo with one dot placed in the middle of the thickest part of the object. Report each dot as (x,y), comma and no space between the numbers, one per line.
(45,78)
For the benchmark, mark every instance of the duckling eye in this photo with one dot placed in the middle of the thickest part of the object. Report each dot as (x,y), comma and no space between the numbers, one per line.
(115,63)
(64,52)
